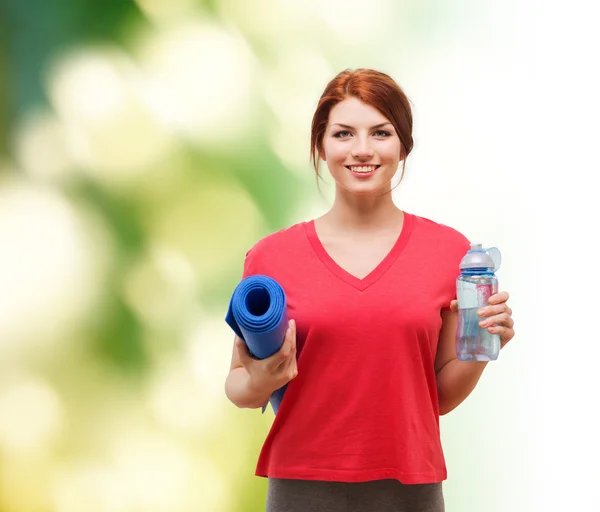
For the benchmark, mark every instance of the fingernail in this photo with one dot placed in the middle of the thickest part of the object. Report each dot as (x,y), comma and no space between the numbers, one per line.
(481,312)
(293,323)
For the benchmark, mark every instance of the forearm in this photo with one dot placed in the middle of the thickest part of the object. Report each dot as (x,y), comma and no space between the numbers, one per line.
(455,382)
(240,391)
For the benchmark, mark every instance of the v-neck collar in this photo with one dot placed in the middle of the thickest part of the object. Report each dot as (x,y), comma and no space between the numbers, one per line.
(377,272)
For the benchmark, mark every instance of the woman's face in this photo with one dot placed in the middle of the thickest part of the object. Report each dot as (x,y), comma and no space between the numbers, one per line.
(361,147)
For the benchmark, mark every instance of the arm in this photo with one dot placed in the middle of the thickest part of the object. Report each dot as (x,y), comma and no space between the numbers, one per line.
(455,379)
(238,387)
(240,392)
(251,381)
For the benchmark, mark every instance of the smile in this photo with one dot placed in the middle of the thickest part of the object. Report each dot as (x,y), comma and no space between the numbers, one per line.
(362,169)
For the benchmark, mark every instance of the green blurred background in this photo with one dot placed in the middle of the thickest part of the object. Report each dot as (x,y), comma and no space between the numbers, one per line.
(144,148)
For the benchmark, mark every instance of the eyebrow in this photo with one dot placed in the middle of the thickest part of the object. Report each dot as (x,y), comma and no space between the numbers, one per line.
(372,127)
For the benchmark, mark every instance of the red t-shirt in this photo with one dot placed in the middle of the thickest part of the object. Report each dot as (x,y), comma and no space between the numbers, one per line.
(364,405)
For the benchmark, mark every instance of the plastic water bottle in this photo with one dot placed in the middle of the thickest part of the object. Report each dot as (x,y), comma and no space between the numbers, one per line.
(475,285)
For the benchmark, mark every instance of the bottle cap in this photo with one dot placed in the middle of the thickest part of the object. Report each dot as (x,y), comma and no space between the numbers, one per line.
(478,257)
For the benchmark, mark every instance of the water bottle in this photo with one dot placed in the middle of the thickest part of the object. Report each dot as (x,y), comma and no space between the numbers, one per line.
(475,285)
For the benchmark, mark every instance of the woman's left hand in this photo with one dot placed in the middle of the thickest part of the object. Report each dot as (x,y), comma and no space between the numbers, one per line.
(496,317)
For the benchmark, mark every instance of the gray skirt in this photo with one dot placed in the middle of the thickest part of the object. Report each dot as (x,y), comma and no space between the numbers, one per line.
(375,496)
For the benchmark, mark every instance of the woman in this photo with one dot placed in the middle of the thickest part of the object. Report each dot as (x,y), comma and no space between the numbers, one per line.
(369,353)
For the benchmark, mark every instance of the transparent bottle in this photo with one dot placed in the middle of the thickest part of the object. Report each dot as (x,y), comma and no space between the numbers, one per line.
(475,285)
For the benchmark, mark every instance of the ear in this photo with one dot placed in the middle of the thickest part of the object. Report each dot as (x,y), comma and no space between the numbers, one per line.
(322,155)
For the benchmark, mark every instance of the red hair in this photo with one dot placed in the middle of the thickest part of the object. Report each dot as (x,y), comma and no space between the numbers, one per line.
(373,88)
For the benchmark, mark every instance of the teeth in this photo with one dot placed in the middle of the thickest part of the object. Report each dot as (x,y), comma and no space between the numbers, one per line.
(362,168)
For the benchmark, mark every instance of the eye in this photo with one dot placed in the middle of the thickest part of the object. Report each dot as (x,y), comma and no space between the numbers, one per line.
(341,135)
(382,133)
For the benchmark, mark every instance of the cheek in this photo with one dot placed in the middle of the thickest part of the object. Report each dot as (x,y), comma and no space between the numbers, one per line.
(391,151)
(334,152)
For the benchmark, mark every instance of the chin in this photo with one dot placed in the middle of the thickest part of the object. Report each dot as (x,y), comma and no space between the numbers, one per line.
(366,189)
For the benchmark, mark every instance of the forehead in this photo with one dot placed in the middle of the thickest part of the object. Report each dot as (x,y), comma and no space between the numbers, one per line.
(354,112)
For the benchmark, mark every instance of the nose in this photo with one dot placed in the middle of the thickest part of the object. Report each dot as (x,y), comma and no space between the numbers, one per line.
(362,149)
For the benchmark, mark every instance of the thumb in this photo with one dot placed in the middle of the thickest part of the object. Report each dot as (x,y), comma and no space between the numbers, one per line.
(242,350)
(454,306)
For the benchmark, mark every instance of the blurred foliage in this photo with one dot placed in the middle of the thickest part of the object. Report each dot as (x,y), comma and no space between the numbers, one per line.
(113,342)
(36,31)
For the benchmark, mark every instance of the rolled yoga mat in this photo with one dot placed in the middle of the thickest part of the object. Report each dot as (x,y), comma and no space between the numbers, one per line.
(258,315)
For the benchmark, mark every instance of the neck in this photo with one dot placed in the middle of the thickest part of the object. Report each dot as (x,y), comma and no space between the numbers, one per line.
(354,213)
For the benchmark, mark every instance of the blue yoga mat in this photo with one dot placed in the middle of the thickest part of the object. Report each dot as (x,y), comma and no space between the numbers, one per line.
(258,315)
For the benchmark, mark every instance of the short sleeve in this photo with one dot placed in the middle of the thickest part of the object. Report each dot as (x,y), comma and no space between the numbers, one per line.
(249,264)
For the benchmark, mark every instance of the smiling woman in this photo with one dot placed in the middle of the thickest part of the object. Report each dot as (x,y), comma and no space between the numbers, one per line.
(369,356)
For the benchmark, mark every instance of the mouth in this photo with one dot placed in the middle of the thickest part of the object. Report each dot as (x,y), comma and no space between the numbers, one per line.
(362,171)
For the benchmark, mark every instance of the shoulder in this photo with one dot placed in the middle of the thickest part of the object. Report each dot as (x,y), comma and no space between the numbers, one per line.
(442,235)
(275,246)
(279,239)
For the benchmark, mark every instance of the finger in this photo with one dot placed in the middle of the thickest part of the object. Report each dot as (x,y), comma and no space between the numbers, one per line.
(495,310)
(454,306)
(498,298)
(293,334)
(503,319)
(506,334)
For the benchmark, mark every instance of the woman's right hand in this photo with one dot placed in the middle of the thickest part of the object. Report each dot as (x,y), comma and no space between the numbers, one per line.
(268,375)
